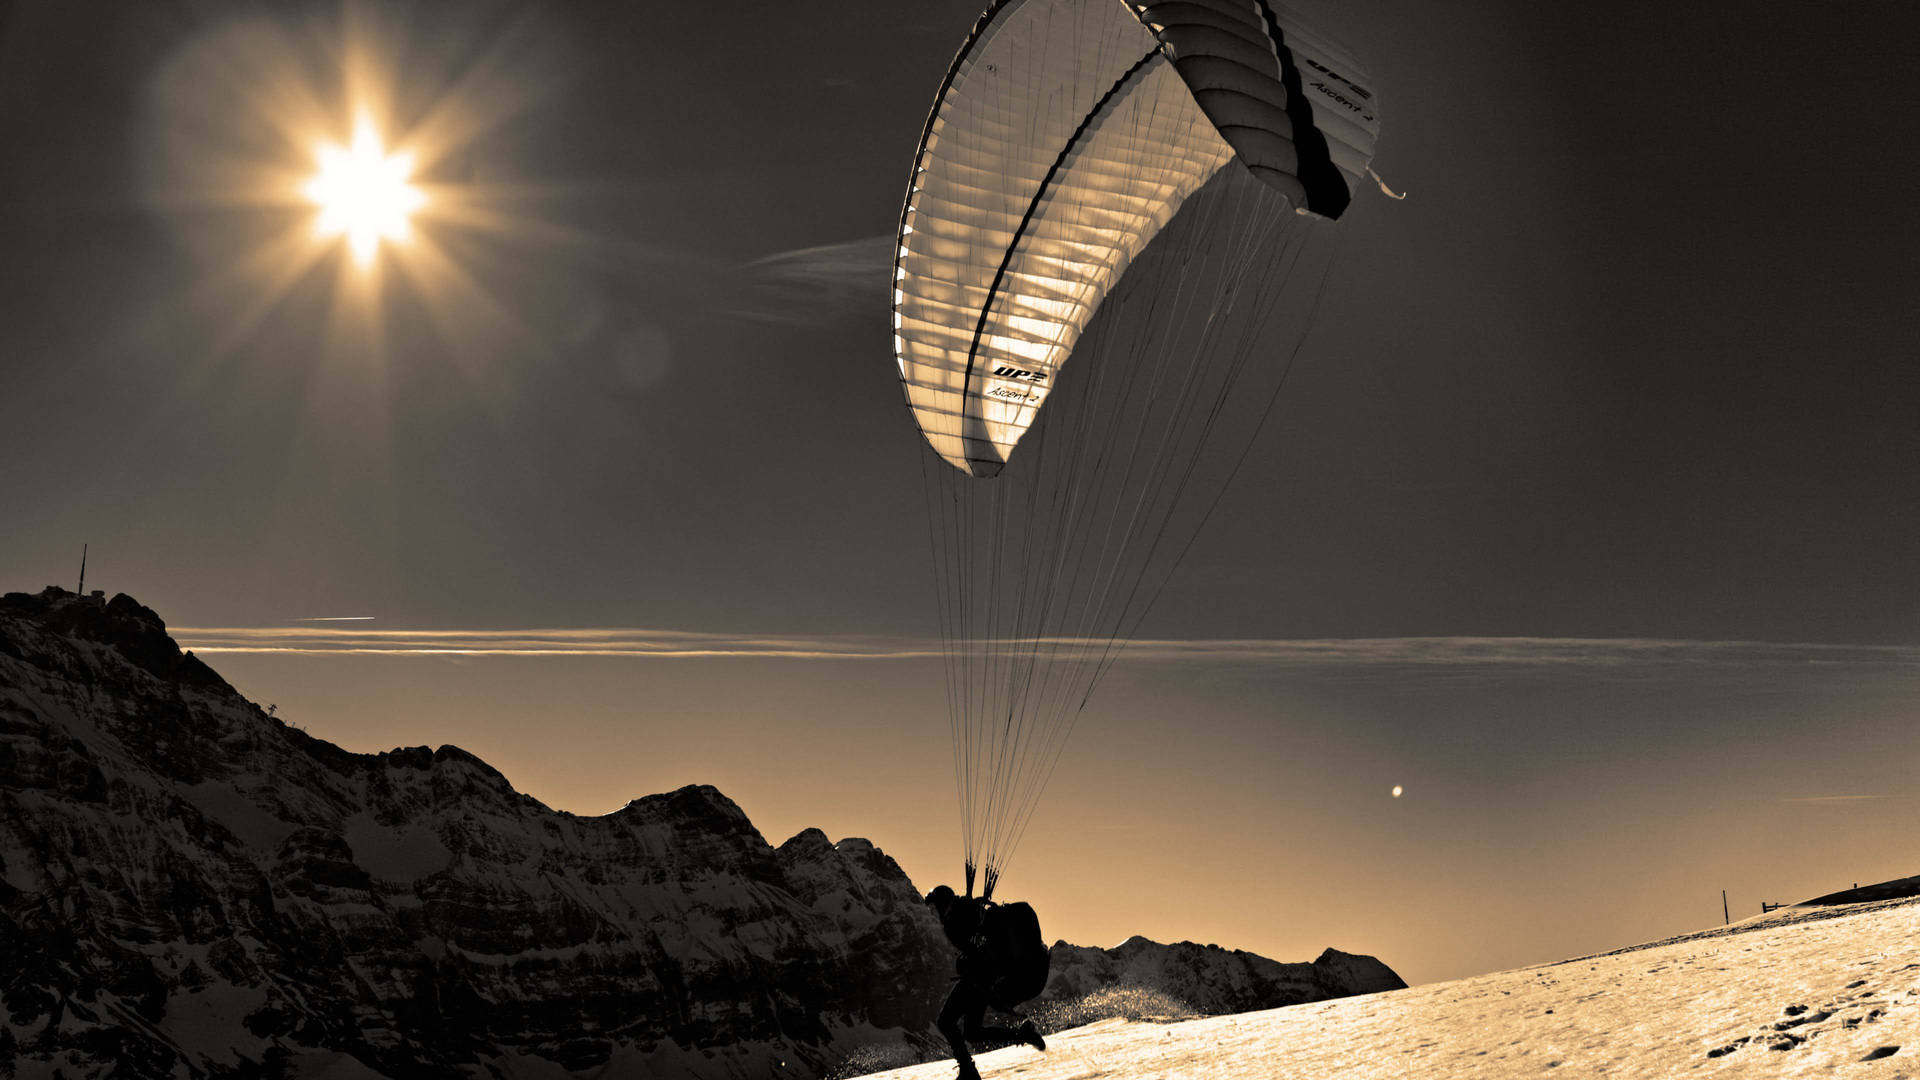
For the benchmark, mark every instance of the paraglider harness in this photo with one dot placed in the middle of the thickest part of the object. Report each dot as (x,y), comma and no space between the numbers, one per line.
(1001,950)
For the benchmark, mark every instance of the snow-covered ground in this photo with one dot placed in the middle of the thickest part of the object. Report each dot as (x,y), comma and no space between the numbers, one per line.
(1800,992)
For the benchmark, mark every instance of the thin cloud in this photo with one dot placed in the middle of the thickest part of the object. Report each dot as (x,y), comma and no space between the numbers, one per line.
(1433,655)
(1590,654)
(816,285)
(617,642)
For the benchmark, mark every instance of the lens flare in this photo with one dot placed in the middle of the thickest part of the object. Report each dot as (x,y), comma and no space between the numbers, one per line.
(282,135)
(363,192)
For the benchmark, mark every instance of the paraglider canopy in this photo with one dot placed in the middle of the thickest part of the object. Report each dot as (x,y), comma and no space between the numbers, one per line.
(1166,167)
(1064,138)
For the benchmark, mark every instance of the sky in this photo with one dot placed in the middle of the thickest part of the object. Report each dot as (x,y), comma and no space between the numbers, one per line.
(1586,516)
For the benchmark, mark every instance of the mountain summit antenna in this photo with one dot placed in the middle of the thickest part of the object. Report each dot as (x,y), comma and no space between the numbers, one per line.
(82,590)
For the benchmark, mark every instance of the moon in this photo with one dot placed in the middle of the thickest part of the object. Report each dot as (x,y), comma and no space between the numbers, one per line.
(1396,791)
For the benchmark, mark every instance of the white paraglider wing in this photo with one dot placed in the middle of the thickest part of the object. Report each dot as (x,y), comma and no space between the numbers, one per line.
(1066,136)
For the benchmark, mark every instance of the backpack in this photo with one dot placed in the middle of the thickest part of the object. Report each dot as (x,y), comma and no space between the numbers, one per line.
(1015,954)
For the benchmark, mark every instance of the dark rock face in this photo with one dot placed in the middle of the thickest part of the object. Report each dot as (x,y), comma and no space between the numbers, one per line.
(1209,979)
(191,887)
(186,881)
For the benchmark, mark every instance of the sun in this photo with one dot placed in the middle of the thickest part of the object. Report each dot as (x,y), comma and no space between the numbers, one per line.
(339,169)
(363,192)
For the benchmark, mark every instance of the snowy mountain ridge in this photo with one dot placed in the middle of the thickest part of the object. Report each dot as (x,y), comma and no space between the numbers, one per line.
(189,886)
(188,882)
(1209,979)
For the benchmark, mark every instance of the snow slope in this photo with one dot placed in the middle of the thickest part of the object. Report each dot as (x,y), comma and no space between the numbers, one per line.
(1829,991)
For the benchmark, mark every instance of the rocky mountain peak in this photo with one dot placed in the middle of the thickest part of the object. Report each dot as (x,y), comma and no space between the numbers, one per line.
(808,843)
(1365,973)
(1210,979)
(122,624)
(703,801)
(191,886)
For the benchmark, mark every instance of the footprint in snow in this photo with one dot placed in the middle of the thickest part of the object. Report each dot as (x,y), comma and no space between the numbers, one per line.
(1730,1047)
(1810,1018)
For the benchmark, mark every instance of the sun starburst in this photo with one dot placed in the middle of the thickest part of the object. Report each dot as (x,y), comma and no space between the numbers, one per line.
(348,187)
(364,192)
